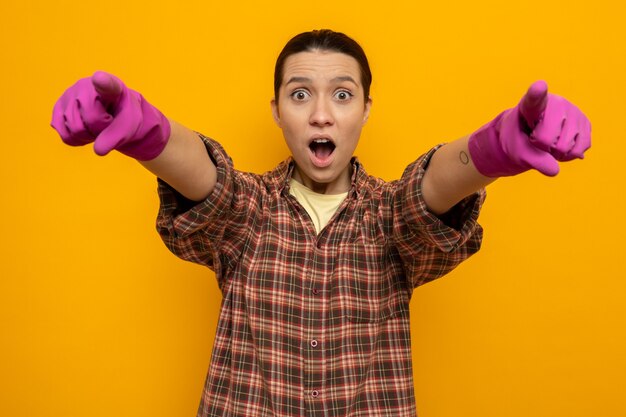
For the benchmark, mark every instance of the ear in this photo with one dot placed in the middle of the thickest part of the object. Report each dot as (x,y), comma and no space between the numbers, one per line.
(368,106)
(275,112)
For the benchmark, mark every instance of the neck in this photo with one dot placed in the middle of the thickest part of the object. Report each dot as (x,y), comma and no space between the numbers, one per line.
(339,185)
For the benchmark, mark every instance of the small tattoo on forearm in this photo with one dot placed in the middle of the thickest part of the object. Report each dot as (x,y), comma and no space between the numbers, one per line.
(464,158)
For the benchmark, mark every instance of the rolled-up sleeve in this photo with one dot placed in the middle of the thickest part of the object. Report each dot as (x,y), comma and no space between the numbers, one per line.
(210,232)
(430,245)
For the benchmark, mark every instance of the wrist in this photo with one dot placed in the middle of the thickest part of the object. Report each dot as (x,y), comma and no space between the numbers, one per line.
(487,151)
(151,137)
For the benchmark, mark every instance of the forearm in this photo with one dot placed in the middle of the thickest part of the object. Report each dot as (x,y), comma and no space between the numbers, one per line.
(450,177)
(185,164)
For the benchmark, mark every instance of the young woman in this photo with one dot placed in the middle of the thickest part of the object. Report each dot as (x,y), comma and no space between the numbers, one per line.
(316,260)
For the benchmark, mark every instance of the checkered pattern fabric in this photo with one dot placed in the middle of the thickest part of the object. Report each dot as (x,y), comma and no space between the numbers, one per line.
(314,324)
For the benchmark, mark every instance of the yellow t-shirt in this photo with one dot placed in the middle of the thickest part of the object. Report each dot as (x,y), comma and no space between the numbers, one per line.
(320,207)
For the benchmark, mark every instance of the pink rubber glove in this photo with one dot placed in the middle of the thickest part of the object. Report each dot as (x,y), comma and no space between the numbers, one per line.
(541,130)
(101,109)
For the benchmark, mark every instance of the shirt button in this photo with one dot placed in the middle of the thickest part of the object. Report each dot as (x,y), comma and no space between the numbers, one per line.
(314,343)
(315,393)
(316,291)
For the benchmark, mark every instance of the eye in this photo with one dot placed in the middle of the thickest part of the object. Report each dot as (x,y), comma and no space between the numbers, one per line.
(343,95)
(299,95)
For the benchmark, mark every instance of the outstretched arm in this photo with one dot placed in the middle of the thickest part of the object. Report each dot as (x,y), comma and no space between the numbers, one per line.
(100,109)
(541,130)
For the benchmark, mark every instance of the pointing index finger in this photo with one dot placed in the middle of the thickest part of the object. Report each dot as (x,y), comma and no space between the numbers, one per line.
(534,103)
(108,87)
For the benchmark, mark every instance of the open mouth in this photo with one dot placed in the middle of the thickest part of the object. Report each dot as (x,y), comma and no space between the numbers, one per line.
(322,148)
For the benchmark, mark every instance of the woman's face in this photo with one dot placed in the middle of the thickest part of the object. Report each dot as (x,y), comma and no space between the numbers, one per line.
(321,110)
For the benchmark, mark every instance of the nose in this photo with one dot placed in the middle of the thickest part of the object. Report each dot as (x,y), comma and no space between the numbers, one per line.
(321,113)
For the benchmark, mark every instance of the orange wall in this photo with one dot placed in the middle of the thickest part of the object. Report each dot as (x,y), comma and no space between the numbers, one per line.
(99,319)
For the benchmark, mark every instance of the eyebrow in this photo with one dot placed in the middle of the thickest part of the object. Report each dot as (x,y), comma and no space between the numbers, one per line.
(340,78)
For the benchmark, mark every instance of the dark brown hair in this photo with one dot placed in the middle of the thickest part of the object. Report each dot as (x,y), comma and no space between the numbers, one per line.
(323,40)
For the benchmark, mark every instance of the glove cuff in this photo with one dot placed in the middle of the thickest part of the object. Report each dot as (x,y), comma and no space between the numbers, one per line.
(154,133)
(486,150)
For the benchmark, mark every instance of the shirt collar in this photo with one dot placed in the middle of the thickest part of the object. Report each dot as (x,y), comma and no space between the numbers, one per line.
(280,176)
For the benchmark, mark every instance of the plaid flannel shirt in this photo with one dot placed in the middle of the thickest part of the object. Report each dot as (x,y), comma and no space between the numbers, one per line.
(314,324)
